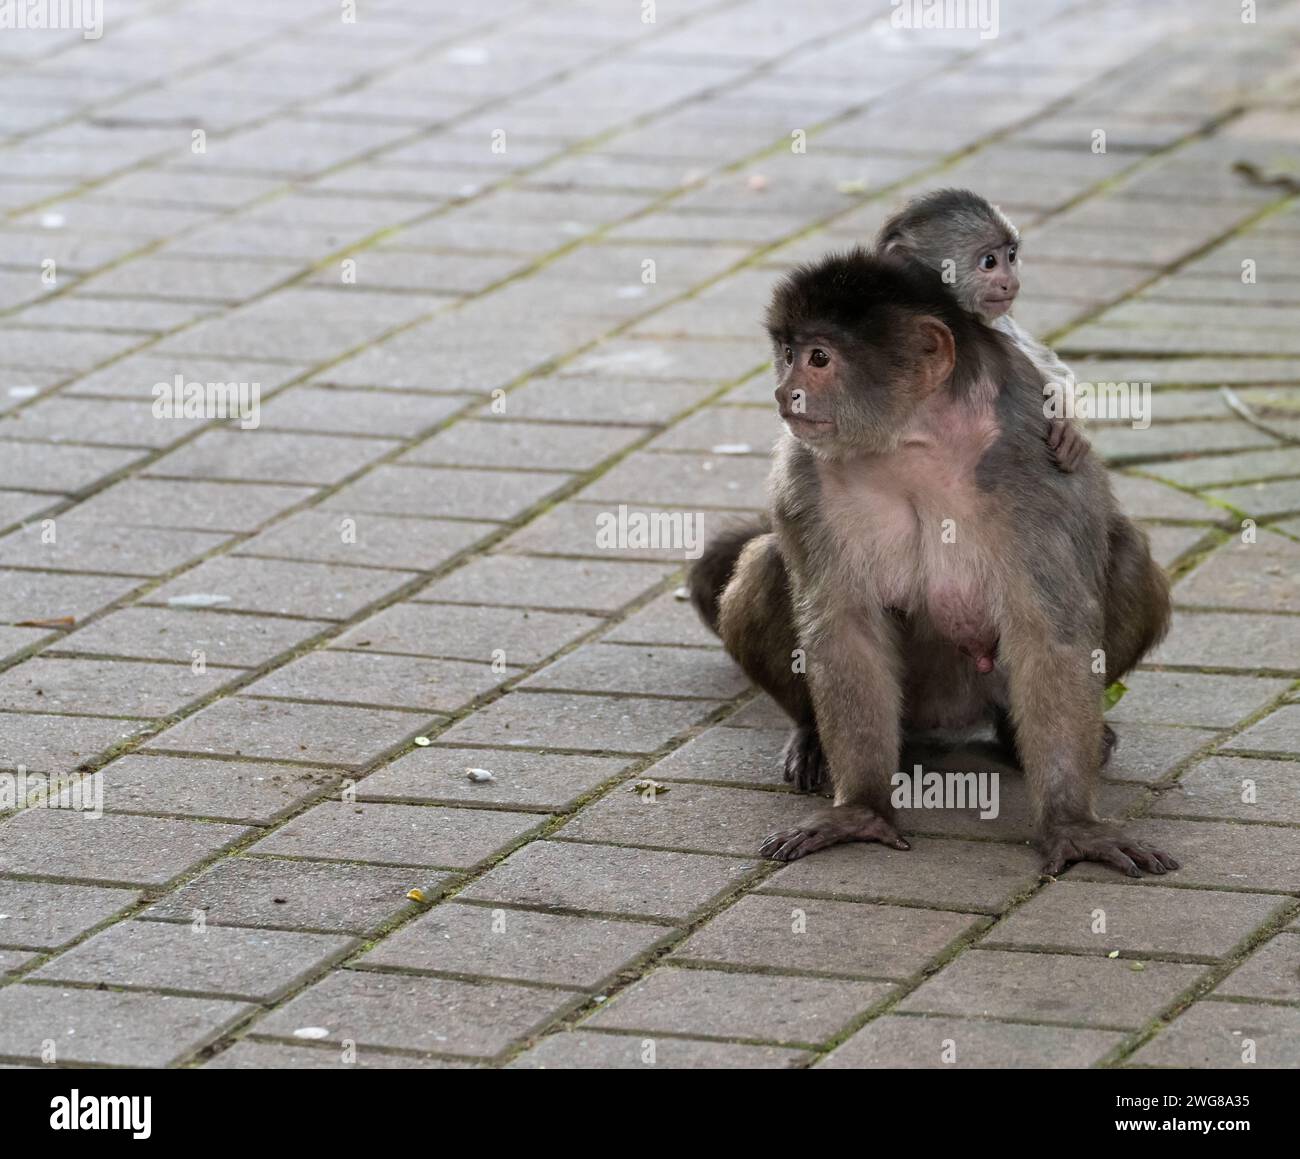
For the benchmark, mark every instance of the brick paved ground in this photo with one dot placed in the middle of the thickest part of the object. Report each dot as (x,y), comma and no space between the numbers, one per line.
(462,364)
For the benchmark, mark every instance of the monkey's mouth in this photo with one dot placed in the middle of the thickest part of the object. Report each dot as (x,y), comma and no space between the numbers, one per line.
(994,307)
(802,427)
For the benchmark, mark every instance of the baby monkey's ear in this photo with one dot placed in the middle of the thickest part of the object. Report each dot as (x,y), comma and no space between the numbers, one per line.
(935,353)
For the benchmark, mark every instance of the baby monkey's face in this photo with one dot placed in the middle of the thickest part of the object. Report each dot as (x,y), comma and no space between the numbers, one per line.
(995,281)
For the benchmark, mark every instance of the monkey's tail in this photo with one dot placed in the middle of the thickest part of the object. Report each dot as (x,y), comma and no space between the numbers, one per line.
(710,573)
(1140,607)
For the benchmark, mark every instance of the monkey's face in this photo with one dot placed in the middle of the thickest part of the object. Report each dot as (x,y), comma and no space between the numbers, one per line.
(858,393)
(810,376)
(994,281)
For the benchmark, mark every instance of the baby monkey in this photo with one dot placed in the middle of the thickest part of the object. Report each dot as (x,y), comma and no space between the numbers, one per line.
(976,248)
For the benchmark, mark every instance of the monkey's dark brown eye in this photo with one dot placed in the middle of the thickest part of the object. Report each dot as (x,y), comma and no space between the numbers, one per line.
(819,358)
(1011,255)
(989,262)
(789,356)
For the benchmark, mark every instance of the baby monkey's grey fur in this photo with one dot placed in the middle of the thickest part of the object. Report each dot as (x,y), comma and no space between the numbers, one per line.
(857,611)
(976,250)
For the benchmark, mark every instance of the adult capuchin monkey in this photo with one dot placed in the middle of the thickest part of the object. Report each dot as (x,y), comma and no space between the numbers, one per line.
(928,562)
(974,246)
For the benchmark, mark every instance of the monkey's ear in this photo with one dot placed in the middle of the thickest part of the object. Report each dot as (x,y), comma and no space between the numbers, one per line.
(937,353)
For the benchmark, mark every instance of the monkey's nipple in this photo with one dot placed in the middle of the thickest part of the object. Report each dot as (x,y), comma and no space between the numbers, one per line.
(983,664)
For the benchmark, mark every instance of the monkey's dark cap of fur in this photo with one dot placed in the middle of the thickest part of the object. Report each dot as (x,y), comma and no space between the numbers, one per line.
(848,292)
(963,213)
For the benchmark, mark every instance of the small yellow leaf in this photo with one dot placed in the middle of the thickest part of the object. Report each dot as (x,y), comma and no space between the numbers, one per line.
(415,894)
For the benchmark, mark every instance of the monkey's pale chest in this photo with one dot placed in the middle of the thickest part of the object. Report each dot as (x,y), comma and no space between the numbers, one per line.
(916,543)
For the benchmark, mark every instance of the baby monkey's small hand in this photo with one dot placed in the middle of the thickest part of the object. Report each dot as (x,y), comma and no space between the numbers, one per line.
(1067,444)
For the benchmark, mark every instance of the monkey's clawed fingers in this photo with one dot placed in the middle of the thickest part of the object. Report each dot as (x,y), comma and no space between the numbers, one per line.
(1068,446)
(1106,844)
(831,827)
(805,762)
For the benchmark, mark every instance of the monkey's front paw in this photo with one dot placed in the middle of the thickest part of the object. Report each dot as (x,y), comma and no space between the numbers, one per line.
(1067,444)
(1107,844)
(831,827)
(805,762)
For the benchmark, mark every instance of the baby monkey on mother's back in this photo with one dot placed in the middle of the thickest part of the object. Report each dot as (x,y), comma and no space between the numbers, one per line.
(929,561)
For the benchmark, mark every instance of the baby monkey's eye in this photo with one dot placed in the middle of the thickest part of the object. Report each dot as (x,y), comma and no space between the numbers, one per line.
(819,358)
(989,262)
(1011,255)
(789,356)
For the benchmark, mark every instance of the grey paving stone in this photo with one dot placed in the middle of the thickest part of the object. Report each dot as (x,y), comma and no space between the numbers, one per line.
(1203,471)
(1279,732)
(585,1050)
(468,633)
(228,280)
(609,879)
(532,780)
(584,529)
(434,1014)
(198,504)
(528,581)
(368,539)
(1272,972)
(1236,788)
(1059,988)
(825,937)
(644,669)
(701,818)
(326,410)
(1148,499)
(236,791)
(1262,499)
(537,446)
(382,680)
(257,965)
(894,1041)
(604,399)
(1147,752)
(42,915)
(114,849)
(136,376)
(1219,854)
(1192,698)
(59,469)
(39,595)
(11,961)
(686,481)
(104,1026)
(446,492)
(58,744)
(178,634)
(119,687)
(96,547)
(1260,576)
(594,723)
(385,834)
(736,427)
(250,1055)
(515,944)
(981,876)
(732,755)
(667,619)
(1226,1034)
(265,456)
(725,1005)
(1119,444)
(273,894)
(276,730)
(1101,918)
(286,588)
(1228,640)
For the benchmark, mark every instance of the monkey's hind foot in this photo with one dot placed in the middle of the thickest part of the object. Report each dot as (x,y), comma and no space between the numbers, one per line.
(805,762)
(831,827)
(1104,843)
